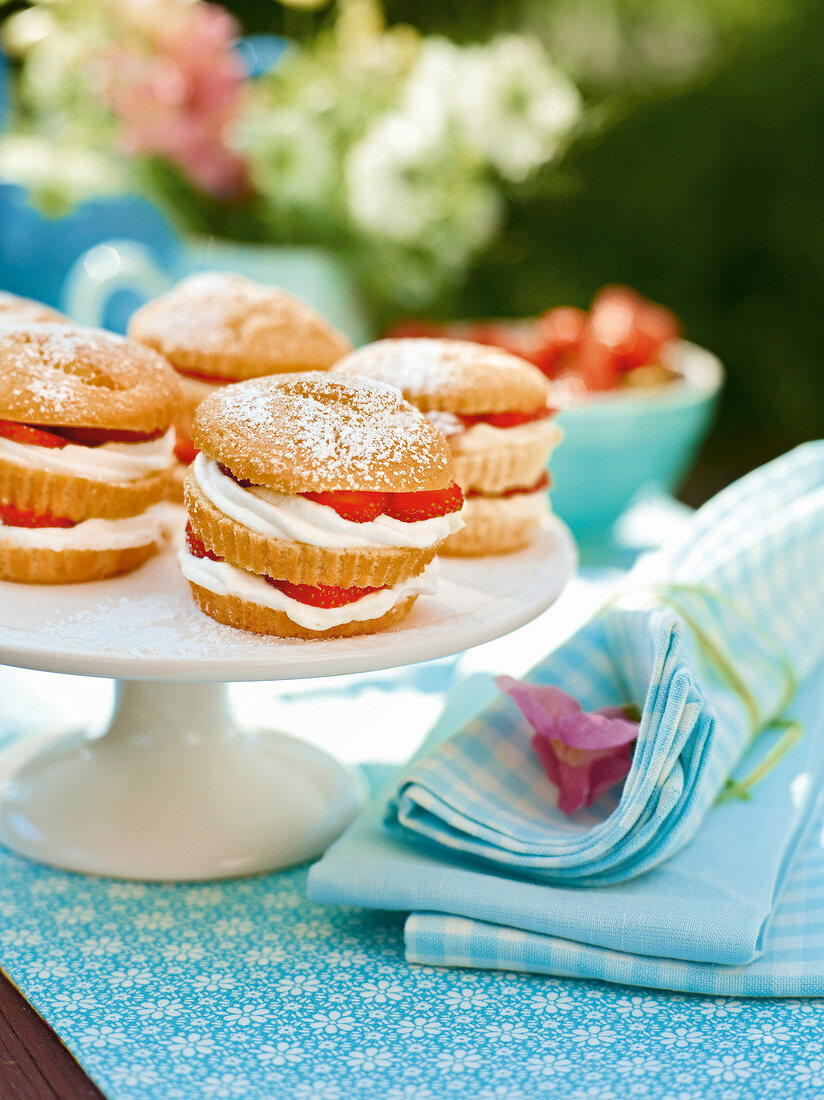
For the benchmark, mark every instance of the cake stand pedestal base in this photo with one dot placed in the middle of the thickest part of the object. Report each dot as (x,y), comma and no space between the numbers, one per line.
(173,790)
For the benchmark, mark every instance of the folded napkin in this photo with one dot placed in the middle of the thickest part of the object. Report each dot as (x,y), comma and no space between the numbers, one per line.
(710,905)
(712,637)
(697,921)
(790,965)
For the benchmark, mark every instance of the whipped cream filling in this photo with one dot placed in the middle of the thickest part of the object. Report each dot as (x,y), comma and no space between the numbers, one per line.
(157,524)
(485,437)
(227,580)
(292,517)
(110,462)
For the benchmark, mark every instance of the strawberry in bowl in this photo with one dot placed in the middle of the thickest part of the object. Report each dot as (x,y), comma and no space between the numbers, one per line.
(635,399)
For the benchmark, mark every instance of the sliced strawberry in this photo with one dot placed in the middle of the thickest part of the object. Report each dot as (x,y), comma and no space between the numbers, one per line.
(653,326)
(321,595)
(212,379)
(562,330)
(185,450)
(12,516)
(197,547)
(358,507)
(412,507)
(34,437)
(96,437)
(595,363)
(633,328)
(507,419)
(244,484)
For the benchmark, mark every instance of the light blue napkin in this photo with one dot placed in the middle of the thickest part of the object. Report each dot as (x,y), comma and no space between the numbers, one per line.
(477,849)
(692,908)
(722,629)
(692,924)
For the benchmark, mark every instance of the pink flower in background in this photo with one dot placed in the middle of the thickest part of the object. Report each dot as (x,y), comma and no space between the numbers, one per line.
(583,754)
(175,82)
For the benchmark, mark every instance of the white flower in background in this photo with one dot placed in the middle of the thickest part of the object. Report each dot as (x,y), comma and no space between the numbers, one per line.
(57,176)
(48,970)
(552,999)
(204,895)
(130,977)
(127,890)
(680,1037)
(101,945)
(291,156)
(407,182)
(20,937)
(317,1090)
(183,952)
(431,91)
(233,926)
(73,1001)
(514,105)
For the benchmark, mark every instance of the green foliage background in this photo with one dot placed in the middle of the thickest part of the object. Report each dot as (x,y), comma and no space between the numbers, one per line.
(707,198)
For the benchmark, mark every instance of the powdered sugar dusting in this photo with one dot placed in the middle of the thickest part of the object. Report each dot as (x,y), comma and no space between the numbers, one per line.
(450,374)
(327,430)
(218,320)
(53,372)
(14,309)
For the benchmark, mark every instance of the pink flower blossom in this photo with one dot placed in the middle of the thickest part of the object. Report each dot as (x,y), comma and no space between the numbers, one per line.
(175,83)
(583,753)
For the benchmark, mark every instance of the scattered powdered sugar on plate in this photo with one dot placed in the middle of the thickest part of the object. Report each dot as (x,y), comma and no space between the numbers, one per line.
(145,625)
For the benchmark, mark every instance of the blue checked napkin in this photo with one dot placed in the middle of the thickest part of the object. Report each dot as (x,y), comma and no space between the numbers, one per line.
(711,903)
(712,638)
(732,913)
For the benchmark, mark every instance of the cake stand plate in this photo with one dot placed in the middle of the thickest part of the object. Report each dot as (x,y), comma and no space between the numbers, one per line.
(174,789)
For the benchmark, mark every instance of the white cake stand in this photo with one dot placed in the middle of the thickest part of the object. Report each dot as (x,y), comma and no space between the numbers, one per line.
(174,789)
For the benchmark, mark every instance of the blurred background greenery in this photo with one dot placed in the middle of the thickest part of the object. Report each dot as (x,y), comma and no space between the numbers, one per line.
(703,191)
(695,177)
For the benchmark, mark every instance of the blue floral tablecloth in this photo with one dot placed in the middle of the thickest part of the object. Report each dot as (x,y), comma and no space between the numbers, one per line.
(247,989)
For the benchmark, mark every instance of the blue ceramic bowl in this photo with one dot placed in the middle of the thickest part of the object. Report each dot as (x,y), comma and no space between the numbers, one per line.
(621,444)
